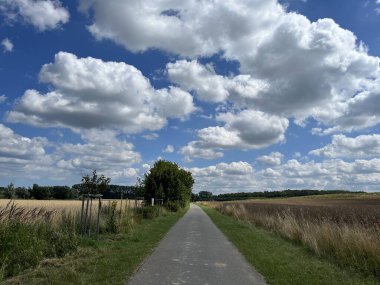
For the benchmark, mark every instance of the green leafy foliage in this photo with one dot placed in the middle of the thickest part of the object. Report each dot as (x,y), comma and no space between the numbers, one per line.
(9,192)
(152,212)
(167,181)
(204,196)
(22,193)
(111,215)
(94,184)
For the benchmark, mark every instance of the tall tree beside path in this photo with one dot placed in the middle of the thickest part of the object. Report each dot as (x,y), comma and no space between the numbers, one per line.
(167,181)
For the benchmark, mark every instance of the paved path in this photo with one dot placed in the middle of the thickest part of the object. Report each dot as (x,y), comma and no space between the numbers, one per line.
(195,252)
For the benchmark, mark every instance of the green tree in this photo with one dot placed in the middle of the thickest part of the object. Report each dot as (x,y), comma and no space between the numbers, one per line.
(63,192)
(40,192)
(94,184)
(9,192)
(205,196)
(167,181)
(22,193)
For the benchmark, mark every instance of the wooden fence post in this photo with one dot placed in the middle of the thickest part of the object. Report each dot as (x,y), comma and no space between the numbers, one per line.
(86,214)
(81,215)
(99,208)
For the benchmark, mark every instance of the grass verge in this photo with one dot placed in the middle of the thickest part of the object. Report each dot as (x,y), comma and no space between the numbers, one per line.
(281,261)
(110,260)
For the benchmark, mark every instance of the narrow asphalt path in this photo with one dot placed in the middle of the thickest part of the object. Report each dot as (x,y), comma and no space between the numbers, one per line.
(195,252)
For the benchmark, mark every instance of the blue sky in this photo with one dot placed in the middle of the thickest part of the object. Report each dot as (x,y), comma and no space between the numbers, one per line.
(248,95)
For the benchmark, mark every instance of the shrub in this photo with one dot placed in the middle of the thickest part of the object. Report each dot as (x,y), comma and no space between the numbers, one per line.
(20,247)
(173,206)
(111,214)
(151,212)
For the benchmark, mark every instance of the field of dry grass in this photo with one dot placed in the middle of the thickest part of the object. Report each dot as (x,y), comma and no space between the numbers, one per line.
(31,230)
(343,228)
(58,206)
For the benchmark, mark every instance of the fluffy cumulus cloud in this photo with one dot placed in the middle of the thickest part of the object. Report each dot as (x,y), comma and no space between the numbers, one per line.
(209,86)
(273,159)
(188,27)
(91,93)
(7,45)
(330,174)
(196,149)
(357,175)
(357,147)
(289,65)
(101,150)
(13,146)
(224,177)
(37,158)
(42,14)
(248,129)
(22,156)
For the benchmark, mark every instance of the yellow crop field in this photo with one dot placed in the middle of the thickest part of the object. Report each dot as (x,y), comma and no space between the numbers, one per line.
(68,206)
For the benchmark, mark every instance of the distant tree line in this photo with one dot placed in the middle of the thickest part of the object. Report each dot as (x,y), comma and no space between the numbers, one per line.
(65,192)
(208,196)
(38,192)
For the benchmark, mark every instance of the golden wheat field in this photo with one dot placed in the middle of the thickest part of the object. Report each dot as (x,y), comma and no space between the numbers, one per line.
(62,205)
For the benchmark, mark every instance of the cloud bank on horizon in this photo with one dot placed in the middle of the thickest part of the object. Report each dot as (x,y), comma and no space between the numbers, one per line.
(239,83)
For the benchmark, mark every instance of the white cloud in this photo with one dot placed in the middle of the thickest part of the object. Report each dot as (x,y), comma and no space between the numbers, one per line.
(196,149)
(3,98)
(209,86)
(297,154)
(254,128)
(329,174)
(22,157)
(13,146)
(273,159)
(28,158)
(346,147)
(7,45)
(192,27)
(146,166)
(42,14)
(289,66)
(169,149)
(151,136)
(91,93)
(245,130)
(223,177)
(101,150)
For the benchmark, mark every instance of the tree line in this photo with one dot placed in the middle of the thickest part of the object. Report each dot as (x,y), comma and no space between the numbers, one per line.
(39,192)
(208,196)
(165,181)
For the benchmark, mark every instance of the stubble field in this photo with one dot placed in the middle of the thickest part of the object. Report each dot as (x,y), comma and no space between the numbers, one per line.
(342,228)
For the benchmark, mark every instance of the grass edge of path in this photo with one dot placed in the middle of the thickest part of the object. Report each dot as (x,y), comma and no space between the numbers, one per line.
(113,259)
(281,261)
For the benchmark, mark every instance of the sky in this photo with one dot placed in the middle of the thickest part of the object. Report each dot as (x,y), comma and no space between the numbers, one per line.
(248,95)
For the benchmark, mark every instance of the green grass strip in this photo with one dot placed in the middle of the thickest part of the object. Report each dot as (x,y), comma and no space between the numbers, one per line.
(111,260)
(281,261)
